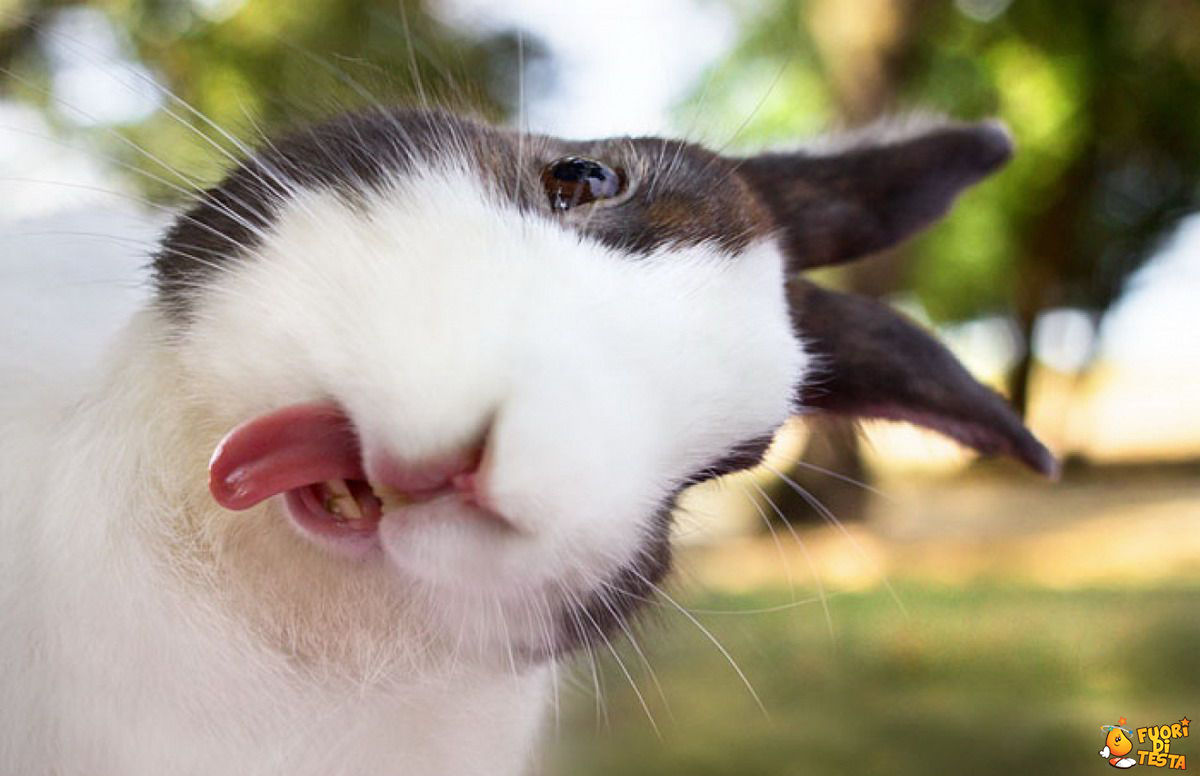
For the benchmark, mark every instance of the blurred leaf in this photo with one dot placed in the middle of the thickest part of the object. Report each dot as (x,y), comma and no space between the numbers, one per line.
(256,67)
(1103,99)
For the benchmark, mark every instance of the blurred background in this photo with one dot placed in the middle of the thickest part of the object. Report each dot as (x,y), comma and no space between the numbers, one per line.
(873,599)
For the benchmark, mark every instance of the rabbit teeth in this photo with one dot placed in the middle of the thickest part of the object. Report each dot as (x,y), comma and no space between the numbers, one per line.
(340,501)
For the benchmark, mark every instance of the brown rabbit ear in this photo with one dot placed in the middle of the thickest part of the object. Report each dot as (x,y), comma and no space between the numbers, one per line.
(871,362)
(831,207)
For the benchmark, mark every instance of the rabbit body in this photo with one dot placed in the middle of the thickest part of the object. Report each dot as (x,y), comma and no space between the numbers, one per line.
(120,657)
(404,424)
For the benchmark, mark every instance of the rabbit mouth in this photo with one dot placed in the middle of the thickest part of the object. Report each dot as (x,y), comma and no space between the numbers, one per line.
(311,455)
(434,521)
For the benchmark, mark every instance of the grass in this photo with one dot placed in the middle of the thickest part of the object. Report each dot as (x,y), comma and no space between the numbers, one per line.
(990,679)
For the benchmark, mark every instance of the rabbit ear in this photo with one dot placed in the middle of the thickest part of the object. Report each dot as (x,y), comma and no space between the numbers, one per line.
(830,207)
(871,362)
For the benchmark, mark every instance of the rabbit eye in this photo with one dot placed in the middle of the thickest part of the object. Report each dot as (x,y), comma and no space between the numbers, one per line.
(573,180)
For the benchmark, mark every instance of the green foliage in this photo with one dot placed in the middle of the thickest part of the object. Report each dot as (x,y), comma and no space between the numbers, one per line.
(256,67)
(1103,99)
(771,89)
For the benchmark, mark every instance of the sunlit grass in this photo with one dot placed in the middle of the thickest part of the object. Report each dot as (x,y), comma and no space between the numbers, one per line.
(982,680)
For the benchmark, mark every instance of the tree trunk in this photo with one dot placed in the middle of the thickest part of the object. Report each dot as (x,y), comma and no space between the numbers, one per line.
(833,445)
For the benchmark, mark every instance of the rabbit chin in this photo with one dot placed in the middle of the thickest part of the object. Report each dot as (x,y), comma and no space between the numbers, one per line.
(442,589)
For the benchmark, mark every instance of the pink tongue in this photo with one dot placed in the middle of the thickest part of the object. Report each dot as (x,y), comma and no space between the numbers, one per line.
(283,450)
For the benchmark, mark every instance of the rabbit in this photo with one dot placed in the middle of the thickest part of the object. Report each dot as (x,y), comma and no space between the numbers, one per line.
(403,422)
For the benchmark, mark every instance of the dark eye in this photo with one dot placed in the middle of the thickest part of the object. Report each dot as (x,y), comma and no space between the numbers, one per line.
(573,180)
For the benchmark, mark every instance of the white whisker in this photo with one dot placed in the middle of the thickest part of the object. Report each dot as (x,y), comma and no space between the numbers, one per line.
(832,520)
(848,480)
(720,648)
(641,699)
(808,559)
(645,661)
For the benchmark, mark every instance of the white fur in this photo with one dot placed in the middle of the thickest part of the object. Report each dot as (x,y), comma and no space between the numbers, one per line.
(147,631)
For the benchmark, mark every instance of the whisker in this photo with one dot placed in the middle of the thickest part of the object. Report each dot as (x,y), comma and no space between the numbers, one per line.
(787,566)
(757,106)
(807,558)
(108,131)
(620,663)
(720,648)
(508,642)
(521,117)
(542,613)
(189,193)
(832,520)
(848,480)
(346,79)
(174,98)
(128,197)
(623,624)
(414,71)
(701,103)
(734,612)
(581,635)
(768,609)
(720,152)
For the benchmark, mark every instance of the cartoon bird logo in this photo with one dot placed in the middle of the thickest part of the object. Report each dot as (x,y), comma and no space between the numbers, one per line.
(1117,745)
